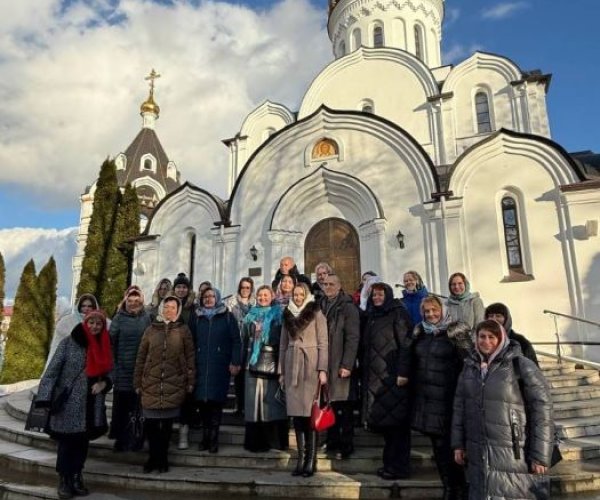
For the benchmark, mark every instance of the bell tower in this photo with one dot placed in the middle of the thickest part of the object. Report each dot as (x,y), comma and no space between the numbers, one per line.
(411,25)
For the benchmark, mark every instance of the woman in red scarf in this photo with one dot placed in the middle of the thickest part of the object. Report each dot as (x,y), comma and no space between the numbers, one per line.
(74,386)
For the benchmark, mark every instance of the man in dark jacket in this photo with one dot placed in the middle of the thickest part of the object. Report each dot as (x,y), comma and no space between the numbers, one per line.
(343,327)
(322,270)
(499,312)
(288,266)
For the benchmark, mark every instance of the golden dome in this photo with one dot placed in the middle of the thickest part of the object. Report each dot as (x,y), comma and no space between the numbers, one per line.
(149,106)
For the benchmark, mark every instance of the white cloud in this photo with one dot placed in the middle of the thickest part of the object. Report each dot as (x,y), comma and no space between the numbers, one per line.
(503,10)
(457,53)
(18,245)
(451,16)
(74,81)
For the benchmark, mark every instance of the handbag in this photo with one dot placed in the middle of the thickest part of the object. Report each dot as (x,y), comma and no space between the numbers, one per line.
(37,418)
(266,364)
(59,401)
(321,417)
(280,395)
(134,430)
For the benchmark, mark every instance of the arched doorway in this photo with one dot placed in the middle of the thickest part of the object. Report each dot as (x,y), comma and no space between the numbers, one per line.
(336,242)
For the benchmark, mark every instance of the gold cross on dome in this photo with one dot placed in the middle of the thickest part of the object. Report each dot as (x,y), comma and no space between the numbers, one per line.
(152,76)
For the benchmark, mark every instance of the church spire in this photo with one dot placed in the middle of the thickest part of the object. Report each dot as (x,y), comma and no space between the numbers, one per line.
(149,109)
(414,26)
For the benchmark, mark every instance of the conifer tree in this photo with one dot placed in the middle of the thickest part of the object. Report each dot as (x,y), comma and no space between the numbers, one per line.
(126,228)
(25,355)
(47,281)
(2,280)
(99,238)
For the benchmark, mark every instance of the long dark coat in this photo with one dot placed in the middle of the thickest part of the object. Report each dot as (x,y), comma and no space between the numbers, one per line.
(343,326)
(165,369)
(302,354)
(386,356)
(485,410)
(436,363)
(83,412)
(126,331)
(218,345)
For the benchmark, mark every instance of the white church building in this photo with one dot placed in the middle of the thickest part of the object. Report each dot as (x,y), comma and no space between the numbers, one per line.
(395,162)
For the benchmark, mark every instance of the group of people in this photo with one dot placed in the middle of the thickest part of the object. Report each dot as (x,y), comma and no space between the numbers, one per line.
(451,369)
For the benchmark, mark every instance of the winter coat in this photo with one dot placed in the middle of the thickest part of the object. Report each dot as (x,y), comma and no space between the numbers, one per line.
(261,404)
(469,310)
(300,278)
(412,302)
(343,326)
(218,345)
(237,308)
(493,415)
(165,369)
(126,332)
(386,356)
(436,363)
(526,347)
(302,354)
(82,412)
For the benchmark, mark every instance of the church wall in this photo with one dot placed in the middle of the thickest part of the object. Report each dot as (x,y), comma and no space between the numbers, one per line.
(482,240)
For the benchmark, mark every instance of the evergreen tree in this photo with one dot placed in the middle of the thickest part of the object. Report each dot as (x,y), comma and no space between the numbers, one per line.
(2,279)
(116,273)
(99,238)
(47,281)
(25,355)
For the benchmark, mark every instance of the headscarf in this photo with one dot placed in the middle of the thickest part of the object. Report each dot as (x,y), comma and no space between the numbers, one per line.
(387,303)
(209,312)
(463,296)
(99,358)
(366,290)
(269,316)
(161,307)
(132,290)
(155,295)
(502,344)
(499,308)
(308,298)
(282,299)
(442,324)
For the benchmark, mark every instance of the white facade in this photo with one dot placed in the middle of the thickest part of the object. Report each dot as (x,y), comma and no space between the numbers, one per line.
(387,141)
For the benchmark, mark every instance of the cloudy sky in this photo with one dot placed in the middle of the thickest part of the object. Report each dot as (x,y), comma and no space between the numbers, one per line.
(73,79)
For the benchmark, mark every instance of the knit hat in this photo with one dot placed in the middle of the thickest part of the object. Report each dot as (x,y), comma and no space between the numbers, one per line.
(182,279)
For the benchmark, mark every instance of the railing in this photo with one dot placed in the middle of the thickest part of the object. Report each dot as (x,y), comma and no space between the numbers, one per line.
(400,285)
(558,343)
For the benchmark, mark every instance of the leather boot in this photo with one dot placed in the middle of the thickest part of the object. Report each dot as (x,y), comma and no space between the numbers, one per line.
(79,488)
(64,490)
(310,461)
(301,445)
(205,443)
(183,437)
(215,423)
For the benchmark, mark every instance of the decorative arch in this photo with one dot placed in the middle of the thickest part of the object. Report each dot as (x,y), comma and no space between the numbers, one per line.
(121,161)
(477,107)
(251,124)
(555,160)
(149,181)
(478,61)
(148,163)
(352,196)
(324,148)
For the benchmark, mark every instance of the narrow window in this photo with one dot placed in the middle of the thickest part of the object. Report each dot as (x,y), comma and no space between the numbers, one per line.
(482,111)
(192,257)
(378,36)
(510,220)
(356,39)
(147,164)
(419,43)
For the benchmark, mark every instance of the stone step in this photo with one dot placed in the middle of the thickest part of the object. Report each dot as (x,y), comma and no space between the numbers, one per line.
(578,427)
(575,409)
(554,370)
(577,378)
(579,393)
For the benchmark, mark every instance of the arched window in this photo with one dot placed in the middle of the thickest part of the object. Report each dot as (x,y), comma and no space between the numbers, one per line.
(512,239)
(342,48)
(147,164)
(482,113)
(419,45)
(192,257)
(356,39)
(378,36)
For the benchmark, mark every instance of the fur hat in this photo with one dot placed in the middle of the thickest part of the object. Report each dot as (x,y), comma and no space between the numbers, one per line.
(182,279)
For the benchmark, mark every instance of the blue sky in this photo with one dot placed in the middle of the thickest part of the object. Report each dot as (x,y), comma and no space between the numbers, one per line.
(56,93)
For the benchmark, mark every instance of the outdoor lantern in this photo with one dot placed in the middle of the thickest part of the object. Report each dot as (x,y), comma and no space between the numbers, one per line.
(400,238)
(254,253)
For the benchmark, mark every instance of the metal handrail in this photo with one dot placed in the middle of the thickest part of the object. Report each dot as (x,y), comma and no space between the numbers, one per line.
(400,285)
(555,315)
(583,362)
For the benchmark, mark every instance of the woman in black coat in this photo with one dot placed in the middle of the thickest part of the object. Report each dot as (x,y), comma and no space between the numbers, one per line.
(437,360)
(502,420)
(386,365)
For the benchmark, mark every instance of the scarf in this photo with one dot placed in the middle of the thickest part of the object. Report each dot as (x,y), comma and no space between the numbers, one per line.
(384,308)
(99,358)
(267,316)
(295,310)
(463,296)
(485,363)
(209,312)
(440,326)
(366,291)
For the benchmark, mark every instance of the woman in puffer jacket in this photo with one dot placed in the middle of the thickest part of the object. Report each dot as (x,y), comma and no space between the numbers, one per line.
(502,425)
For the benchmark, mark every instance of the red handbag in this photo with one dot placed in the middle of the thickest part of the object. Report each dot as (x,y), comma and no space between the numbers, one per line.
(321,417)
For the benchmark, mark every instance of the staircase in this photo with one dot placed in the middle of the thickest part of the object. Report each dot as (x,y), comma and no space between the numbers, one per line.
(27,458)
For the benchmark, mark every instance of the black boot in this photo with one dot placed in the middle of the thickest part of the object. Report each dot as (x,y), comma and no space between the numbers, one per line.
(205,443)
(310,460)
(301,445)
(215,423)
(79,488)
(65,490)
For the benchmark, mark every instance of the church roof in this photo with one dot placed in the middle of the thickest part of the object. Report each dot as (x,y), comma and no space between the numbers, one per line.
(589,161)
(146,142)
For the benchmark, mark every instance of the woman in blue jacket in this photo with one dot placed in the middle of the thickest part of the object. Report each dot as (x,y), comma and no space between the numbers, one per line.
(218,356)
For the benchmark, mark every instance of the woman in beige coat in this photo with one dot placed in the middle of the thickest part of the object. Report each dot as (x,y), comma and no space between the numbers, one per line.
(303,360)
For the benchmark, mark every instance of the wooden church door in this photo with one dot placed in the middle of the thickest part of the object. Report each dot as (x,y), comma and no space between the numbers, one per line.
(336,242)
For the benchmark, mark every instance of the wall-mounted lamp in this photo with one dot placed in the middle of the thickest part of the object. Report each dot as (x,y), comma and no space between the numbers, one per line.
(400,238)
(254,253)
(591,228)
